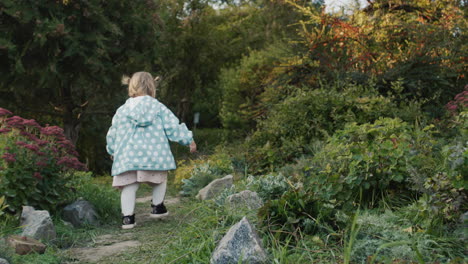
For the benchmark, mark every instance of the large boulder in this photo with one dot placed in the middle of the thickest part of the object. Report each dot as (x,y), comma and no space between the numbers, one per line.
(80,213)
(240,245)
(4,261)
(215,187)
(37,224)
(24,245)
(245,199)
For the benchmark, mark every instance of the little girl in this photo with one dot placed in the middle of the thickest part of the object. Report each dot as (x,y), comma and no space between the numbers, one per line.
(138,144)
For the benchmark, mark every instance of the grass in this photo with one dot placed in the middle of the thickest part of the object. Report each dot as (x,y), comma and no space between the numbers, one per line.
(193,230)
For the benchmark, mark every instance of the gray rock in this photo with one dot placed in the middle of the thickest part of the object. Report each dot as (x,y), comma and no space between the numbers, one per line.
(240,245)
(464,218)
(81,212)
(4,261)
(244,199)
(214,188)
(37,224)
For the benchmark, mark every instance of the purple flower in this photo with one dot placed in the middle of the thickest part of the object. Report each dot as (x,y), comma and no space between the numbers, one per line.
(21,143)
(40,153)
(32,147)
(71,163)
(451,107)
(31,137)
(41,142)
(4,112)
(41,163)
(15,121)
(54,149)
(53,131)
(31,123)
(68,146)
(37,175)
(4,130)
(9,157)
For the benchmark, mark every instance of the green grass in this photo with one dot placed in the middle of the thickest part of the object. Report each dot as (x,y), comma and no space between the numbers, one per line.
(188,236)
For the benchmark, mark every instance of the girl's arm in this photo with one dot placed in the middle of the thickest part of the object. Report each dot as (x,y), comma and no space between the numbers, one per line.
(174,130)
(110,138)
(193,147)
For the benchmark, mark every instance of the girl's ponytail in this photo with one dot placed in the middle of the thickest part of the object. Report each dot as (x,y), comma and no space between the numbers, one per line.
(125,80)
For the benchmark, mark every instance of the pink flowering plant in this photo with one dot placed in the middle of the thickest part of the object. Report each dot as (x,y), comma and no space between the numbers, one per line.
(35,162)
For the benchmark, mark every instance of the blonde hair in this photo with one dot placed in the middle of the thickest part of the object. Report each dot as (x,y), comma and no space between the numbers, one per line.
(141,83)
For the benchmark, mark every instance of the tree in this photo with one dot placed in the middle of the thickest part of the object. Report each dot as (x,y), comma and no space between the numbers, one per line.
(420,42)
(64,59)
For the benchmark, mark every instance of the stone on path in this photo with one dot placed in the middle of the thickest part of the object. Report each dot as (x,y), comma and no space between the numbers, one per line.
(37,224)
(215,187)
(244,199)
(25,245)
(241,244)
(93,255)
(4,261)
(80,213)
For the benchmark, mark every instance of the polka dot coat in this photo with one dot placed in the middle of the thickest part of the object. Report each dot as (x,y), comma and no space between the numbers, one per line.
(140,133)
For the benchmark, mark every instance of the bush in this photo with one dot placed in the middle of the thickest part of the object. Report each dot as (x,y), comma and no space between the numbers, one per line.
(199,173)
(243,85)
(294,213)
(269,187)
(443,187)
(443,184)
(289,209)
(34,162)
(363,163)
(309,115)
(391,238)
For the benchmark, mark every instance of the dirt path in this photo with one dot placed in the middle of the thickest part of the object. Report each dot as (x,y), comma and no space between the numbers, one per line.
(120,241)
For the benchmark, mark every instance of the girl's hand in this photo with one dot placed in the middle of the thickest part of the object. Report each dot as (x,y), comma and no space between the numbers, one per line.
(193,147)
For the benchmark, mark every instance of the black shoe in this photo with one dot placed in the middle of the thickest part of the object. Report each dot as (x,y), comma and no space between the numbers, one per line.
(128,221)
(158,211)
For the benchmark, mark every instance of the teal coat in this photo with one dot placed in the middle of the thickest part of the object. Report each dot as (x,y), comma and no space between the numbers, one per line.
(138,137)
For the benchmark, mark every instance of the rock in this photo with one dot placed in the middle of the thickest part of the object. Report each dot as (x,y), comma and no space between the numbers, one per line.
(214,188)
(25,245)
(244,199)
(4,261)
(240,245)
(37,224)
(464,218)
(81,212)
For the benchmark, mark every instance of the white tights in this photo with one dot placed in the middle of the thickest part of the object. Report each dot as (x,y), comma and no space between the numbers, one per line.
(128,196)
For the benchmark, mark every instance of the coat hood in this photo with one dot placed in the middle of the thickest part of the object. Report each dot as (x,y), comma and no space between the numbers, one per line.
(141,110)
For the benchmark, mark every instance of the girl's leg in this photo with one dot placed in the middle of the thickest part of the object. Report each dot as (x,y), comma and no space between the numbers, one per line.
(159,191)
(158,209)
(128,197)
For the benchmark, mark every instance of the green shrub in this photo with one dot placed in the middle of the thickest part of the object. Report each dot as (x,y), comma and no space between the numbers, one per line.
(388,237)
(364,163)
(34,163)
(270,186)
(295,212)
(443,187)
(243,85)
(309,115)
(203,172)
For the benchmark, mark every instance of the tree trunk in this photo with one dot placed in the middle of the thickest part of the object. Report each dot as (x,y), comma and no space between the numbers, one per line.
(71,122)
(71,128)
